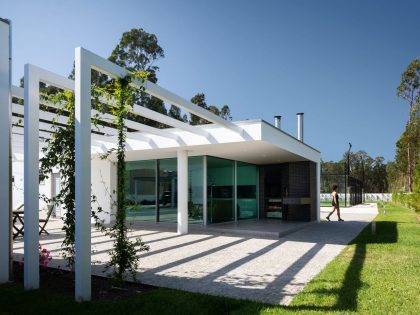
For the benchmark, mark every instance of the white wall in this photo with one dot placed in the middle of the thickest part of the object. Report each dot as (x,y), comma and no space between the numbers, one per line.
(104,183)
(44,187)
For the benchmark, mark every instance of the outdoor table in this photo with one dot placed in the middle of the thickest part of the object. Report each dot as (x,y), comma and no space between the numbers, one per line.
(18,217)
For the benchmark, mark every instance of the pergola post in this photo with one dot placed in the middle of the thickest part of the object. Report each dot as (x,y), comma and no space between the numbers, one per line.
(5,152)
(182,167)
(31,178)
(83,176)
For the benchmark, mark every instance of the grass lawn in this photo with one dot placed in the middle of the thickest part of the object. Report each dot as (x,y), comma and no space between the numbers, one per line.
(375,274)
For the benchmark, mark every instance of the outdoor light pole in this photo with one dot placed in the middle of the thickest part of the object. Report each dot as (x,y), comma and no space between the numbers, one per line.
(346,176)
(363,178)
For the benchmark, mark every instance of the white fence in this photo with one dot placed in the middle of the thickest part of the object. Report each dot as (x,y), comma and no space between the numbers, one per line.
(367,197)
(378,197)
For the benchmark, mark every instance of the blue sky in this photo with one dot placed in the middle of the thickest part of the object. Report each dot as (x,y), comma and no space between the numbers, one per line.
(339,62)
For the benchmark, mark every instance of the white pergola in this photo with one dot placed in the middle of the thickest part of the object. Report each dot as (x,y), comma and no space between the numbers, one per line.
(37,126)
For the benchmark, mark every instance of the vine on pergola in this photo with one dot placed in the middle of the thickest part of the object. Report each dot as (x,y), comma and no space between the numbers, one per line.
(60,154)
(124,254)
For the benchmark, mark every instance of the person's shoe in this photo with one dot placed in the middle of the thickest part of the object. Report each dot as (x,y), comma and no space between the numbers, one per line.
(340,220)
(328,218)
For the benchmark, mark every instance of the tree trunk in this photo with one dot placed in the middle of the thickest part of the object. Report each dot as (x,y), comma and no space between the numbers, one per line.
(410,172)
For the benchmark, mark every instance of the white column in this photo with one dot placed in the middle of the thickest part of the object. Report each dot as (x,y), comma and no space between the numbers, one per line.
(5,125)
(31,178)
(182,163)
(83,173)
(318,190)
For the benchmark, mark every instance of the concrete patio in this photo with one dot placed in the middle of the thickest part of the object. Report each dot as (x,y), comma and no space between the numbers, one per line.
(229,259)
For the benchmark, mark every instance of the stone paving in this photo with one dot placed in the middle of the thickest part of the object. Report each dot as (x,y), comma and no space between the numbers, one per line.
(270,270)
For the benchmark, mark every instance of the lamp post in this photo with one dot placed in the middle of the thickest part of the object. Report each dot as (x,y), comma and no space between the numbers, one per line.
(363,178)
(346,176)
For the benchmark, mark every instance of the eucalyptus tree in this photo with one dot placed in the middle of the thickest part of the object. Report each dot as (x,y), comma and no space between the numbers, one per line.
(408,145)
(200,100)
(138,51)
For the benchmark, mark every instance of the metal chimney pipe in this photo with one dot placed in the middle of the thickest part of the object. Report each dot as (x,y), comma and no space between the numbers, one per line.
(300,126)
(277,122)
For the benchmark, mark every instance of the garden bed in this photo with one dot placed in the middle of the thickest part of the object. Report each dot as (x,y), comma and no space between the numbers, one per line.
(62,282)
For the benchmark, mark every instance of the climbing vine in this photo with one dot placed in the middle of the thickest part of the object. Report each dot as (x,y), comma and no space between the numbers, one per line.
(60,154)
(124,256)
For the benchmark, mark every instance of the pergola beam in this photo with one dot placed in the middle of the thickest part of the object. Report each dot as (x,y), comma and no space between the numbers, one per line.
(169,97)
(107,67)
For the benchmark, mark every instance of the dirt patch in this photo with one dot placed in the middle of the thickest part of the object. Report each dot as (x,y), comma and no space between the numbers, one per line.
(62,282)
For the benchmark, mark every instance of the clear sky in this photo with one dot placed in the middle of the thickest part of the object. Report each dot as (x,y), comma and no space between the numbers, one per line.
(339,62)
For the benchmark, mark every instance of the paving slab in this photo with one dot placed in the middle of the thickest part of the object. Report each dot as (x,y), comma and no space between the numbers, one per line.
(265,269)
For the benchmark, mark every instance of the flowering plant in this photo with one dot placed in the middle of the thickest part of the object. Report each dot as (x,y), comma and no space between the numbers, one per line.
(44,256)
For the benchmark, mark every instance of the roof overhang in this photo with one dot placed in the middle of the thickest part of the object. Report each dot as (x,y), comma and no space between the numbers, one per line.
(265,145)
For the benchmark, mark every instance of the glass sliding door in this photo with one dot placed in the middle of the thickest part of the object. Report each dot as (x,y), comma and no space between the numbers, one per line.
(168,190)
(141,190)
(220,192)
(195,189)
(246,190)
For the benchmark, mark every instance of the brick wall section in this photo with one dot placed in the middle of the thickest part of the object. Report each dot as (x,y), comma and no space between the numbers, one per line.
(261,191)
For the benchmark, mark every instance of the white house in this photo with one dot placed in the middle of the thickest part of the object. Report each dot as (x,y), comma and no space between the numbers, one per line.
(219,172)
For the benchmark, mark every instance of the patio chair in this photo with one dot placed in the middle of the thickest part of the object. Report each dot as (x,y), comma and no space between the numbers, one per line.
(43,222)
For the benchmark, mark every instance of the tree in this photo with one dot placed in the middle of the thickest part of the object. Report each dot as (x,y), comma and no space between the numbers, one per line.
(200,100)
(409,90)
(416,189)
(175,112)
(371,171)
(137,51)
(225,112)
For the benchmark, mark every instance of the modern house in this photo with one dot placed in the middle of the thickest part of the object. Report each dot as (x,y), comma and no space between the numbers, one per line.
(219,172)
(265,174)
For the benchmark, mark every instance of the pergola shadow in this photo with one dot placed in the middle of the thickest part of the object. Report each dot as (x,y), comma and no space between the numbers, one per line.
(268,288)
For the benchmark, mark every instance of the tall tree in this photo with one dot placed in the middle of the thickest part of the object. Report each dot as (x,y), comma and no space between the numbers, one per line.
(175,112)
(200,100)
(409,90)
(225,112)
(137,51)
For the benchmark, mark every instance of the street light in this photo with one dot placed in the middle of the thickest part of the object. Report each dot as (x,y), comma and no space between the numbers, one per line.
(363,178)
(347,175)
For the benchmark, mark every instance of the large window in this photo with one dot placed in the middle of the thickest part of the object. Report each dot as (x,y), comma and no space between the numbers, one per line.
(195,189)
(168,190)
(246,190)
(220,184)
(141,190)
(152,190)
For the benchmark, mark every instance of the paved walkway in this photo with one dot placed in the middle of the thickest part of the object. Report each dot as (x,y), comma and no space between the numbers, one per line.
(261,269)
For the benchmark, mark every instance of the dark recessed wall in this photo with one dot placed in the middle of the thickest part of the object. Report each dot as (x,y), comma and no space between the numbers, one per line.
(290,180)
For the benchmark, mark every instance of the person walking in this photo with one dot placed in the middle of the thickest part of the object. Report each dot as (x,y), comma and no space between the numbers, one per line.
(335,203)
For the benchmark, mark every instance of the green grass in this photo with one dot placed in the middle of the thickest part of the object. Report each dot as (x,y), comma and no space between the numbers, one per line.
(375,274)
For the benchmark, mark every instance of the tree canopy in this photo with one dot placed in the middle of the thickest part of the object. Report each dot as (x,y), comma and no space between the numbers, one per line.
(371,171)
